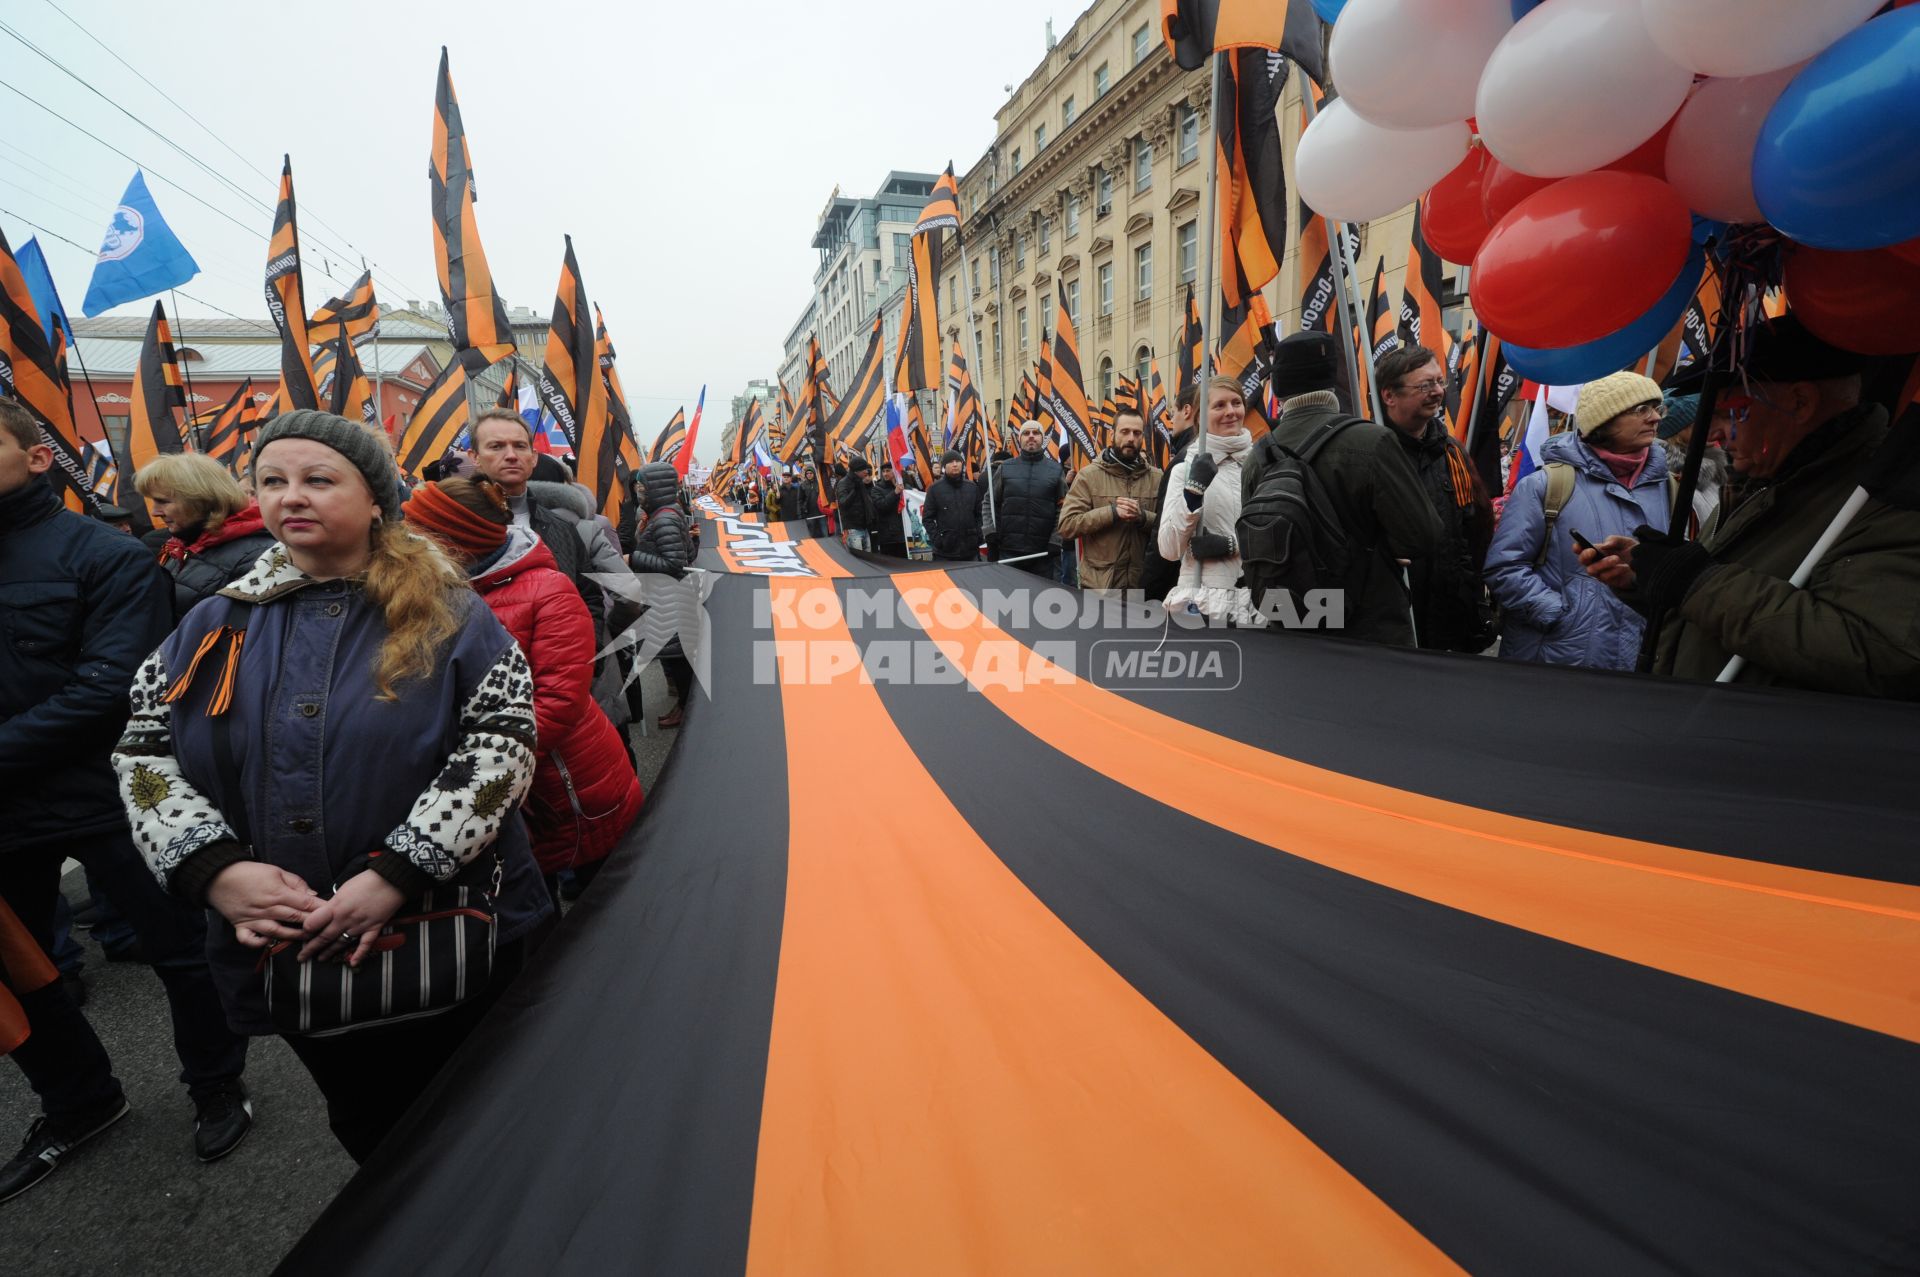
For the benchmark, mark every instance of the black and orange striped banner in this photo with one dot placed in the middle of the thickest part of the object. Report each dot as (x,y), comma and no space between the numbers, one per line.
(670,440)
(287,303)
(343,386)
(1066,393)
(1281,980)
(476,316)
(157,400)
(225,429)
(351,316)
(1194,29)
(1422,322)
(918,367)
(440,418)
(865,400)
(1187,358)
(1251,180)
(33,370)
(572,387)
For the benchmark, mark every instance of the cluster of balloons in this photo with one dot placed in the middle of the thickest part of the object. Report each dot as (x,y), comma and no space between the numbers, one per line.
(1577,153)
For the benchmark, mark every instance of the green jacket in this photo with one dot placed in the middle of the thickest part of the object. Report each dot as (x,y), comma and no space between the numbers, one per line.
(1856,626)
(1112,550)
(1381,504)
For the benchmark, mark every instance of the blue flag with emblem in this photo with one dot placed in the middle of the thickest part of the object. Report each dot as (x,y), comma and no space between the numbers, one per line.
(139,256)
(33,269)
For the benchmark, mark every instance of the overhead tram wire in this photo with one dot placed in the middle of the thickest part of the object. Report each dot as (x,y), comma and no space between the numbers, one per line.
(83,217)
(356,254)
(47,230)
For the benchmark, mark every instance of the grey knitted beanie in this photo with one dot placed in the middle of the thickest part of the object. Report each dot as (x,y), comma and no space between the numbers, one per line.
(356,442)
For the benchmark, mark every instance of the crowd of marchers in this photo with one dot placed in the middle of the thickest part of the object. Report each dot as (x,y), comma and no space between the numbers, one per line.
(1783,561)
(331,747)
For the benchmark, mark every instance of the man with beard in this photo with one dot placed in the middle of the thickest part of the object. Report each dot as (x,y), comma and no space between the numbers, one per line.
(1027,492)
(1113,508)
(951,512)
(1451,612)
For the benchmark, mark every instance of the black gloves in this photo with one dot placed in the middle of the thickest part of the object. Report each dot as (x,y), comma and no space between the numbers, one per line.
(1664,569)
(1209,546)
(1199,475)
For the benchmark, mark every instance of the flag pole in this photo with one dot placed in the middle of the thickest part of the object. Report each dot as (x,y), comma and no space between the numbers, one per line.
(180,336)
(379,408)
(973,341)
(1343,282)
(1210,257)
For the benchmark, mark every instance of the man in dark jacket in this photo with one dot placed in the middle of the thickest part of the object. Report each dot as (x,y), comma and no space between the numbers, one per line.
(1159,575)
(1450,606)
(80,607)
(503,452)
(853,496)
(952,512)
(1027,492)
(664,546)
(1370,483)
(1798,433)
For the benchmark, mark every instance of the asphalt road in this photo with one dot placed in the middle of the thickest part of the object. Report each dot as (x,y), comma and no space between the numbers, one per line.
(135,1201)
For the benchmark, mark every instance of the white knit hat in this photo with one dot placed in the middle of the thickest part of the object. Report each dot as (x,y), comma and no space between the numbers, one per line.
(1603,400)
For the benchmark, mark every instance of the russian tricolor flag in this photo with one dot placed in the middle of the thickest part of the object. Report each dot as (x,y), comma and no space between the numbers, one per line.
(897,447)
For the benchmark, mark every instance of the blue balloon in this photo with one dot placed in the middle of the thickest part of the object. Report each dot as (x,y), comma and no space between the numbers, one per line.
(1705,228)
(1329,10)
(1571,365)
(1838,160)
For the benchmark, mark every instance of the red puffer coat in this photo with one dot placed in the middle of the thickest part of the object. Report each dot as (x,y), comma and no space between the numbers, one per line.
(585,793)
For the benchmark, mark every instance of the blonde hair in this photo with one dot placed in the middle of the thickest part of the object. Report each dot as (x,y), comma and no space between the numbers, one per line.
(200,486)
(417,588)
(1227,383)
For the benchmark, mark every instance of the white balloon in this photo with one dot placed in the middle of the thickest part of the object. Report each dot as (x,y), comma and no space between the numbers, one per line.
(1576,85)
(1710,151)
(1749,37)
(1414,64)
(1354,171)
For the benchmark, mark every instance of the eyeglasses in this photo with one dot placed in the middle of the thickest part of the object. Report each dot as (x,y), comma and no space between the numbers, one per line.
(1426,387)
(1653,406)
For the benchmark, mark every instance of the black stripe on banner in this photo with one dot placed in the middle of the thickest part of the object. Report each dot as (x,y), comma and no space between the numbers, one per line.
(1657,760)
(1531,1107)
(605,1116)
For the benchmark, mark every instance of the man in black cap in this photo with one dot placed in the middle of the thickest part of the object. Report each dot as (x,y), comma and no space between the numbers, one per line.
(951,512)
(853,498)
(1376,497)
(1794,426)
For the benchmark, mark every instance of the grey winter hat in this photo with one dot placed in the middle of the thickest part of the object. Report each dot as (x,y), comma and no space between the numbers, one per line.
(357,443)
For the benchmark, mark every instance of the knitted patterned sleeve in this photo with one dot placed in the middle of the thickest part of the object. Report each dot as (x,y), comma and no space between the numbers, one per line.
(484,778)
(171,819)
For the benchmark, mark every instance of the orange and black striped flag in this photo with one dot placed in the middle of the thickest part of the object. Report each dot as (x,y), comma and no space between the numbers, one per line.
(1066,391)
(786,401)
(919,444)
(33,370)
(572,387)
(667,446)
(1020,410)
(1246,353)
(1187,367)
(343,382)
(287,301)
(509,396)
(969,416)
(920,325)
(1159,420)
(865,401)
(476,317)
(225,429)
(353,315)
(1193,29)
(440,418)
(1421,319)
(153,420)
(626,446)
(1251,179)
(1383,322)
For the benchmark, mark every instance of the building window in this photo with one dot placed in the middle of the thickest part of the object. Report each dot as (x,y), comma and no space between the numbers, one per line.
(1067,113)
(979,350)
(902,251)
(1046,307)
(1016,160)
(1073,216)
(1106,378)
(976,202)
(1019,252)
(1189,135)
(1143,273)
(1188,247)
(953,293)
(1141,44)
(993,264)
(1020,325)
(976,277)
(996,341)
(1142,367)
(1104,284)
(1039,138)
(1142,165)
(1103,194)
(1046,236)
(1101,79)
(1070,290)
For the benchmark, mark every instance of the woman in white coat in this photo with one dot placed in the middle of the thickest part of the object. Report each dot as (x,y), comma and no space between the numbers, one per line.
(1203,504)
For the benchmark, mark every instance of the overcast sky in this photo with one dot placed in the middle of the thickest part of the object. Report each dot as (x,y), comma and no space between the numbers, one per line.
(688,149)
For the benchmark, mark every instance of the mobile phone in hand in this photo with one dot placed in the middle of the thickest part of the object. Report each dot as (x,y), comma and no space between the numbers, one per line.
(1582,542)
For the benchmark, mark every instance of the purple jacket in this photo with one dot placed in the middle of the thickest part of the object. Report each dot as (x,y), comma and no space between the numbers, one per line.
(309,772)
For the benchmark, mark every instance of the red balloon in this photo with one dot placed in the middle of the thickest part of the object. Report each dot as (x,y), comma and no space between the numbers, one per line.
(1581,259)
(1863,302)
(1909,251)
(1450,214)
(1650,157)
(1502,188)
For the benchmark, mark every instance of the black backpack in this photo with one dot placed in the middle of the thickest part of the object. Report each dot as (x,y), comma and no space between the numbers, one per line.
(1290,534)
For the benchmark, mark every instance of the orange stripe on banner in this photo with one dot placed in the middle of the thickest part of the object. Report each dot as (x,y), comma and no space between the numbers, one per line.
(956,1083)
(1841,947)
(818,558)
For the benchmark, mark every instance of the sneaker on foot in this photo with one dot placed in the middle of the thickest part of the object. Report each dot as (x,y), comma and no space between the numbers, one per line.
(221,1120)
(50,1139)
